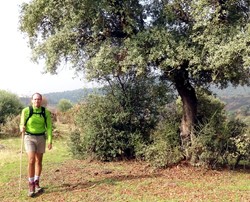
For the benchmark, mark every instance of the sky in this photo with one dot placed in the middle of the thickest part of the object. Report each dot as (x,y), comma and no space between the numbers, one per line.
(18,74)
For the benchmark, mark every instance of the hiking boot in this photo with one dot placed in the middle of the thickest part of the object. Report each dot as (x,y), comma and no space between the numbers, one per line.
(38,189)
(31,192)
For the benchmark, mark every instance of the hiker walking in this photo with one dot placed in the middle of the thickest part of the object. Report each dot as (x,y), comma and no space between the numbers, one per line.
(34,124)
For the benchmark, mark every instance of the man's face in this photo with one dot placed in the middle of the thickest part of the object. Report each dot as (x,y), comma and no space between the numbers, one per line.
(36,100)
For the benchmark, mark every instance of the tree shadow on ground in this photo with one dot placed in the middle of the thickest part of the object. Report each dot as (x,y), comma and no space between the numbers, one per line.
(91,184)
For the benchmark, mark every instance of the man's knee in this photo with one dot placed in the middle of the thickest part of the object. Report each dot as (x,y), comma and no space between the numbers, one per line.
(39,158)
(32,160)
(39,162)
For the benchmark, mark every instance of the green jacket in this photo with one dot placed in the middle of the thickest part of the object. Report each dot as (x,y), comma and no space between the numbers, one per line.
(36,123)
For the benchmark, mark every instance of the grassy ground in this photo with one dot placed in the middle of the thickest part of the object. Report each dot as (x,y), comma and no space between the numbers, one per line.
(67,179)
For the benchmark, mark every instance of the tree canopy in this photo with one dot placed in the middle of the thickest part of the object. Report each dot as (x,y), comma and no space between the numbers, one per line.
(64,105)
(192,43)
(9,105)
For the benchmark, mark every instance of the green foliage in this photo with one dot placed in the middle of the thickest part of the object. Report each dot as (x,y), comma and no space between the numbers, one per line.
(212,37)
(115,124)
(75,30)
(168,127)
(210,108)
(9,105)
(11,127)
(224,145)
(239,148)
(161,154)
(142,97)
(165,145)
(64,105)
(209,130)
(209,147)
(105,128)
(214,142)
(75,144)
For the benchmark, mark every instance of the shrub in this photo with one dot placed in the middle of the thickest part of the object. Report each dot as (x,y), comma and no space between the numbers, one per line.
(64,105)
(210,109)
(11,126)
(165,149)
(75,144)
(213,141)
(66,117)
(113,126)
(105,130)
(220,145)
(9,105)
(239,142)
(208,146)
(168,126)
(161,154)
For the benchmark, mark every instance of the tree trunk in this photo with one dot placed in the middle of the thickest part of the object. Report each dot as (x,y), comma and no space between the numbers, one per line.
(189,105)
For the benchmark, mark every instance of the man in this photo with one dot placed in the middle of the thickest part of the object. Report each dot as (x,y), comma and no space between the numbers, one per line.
(35,123)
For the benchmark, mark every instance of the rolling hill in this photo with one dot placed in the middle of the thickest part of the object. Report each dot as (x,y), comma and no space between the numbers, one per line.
(235,98)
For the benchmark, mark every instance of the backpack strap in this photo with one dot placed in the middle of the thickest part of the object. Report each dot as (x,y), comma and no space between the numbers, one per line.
(44,115)
(31,113)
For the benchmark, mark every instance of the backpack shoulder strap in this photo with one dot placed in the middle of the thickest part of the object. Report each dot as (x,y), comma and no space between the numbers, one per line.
(30,114)
(44,115)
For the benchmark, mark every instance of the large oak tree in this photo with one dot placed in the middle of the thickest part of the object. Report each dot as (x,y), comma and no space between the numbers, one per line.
(193,43)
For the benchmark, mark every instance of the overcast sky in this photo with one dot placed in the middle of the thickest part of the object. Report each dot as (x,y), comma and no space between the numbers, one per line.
(18,74)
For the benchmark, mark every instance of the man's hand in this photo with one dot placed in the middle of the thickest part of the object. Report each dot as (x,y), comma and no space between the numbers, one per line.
(50,146)
(22,129)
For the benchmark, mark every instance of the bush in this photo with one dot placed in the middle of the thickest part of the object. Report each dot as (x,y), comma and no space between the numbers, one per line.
(239,142)
(11,126)
(9,105)
(113,126)
(67,117)
(214,136)
(64,105)
(75,144)
(208,146)
(105,130)
(168,126)
(210,108)
(220,146)
(160,154)
(165,149)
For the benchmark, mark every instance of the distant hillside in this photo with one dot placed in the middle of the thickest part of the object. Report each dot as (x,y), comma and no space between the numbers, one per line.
(235,98)
(74,96)
(232,91)
(237,102)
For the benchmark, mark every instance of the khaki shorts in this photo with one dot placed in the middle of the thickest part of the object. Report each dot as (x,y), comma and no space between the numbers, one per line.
(34,143)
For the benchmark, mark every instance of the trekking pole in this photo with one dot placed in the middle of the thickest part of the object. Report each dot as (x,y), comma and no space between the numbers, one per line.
(21,154)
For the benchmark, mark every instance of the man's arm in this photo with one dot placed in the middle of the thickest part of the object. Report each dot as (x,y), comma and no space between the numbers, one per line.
(22,121)
(49,128)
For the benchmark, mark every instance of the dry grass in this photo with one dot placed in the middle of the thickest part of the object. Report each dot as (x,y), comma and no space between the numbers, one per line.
(81,180)
(69,180)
